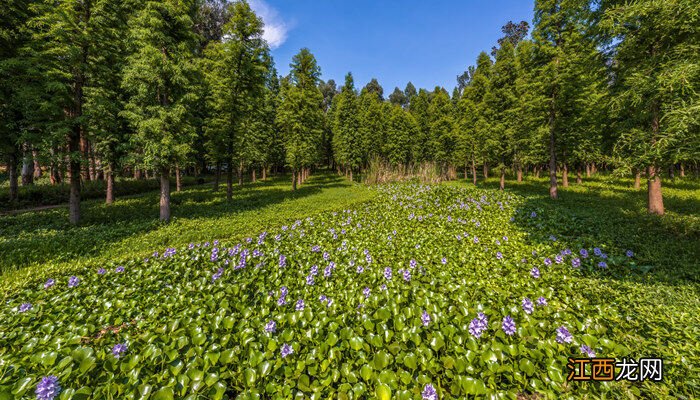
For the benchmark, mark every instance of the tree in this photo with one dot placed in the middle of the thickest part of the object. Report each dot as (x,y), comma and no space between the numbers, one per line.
(238,70)
(398,97)
(375,88)
(441,140)
(300,114)
(156,76)
(372,121)
(346,127)
(400,128)
(410,92)
(655,88)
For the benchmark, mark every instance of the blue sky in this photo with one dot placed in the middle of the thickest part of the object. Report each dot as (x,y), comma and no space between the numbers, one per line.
(426,42)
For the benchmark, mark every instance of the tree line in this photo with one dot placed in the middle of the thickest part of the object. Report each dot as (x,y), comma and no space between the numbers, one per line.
(94,89)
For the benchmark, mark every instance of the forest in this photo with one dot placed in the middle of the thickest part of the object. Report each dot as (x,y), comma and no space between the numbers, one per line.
(178,219)
(94,90)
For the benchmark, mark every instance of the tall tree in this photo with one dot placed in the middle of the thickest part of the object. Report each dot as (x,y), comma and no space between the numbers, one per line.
(238,71)
(398,97)
(656,82)
(157,77)
(347,142)
(300,114)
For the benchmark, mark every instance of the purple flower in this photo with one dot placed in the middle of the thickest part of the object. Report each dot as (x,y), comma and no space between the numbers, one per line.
(383,287)
(387,273)
(360,269)
(48,388)
(508,325)
(603,264)
(283,261)
(444,260)
(407,275)
(533,214)
(316,249)
(563,335)
(597,251)
(413,263)
(527,306)
(101,271)
(314,270)
(604,256)
(50,282)
(326,256)
(478,325)
(366,291)
(217,275)
(566,252)
(552,238)
(547,261)
(271,327)
(300,305)
(119,269)
(118,350)
(558,259)
(429,393)
(587,351)
(286,350)
(310,280)
(541,301)
(630,253)
(73,281)
(476,240)
(583,253)
(425,318)
(576,262)
(24,307)
(327,271)
(535,272)
(499,255)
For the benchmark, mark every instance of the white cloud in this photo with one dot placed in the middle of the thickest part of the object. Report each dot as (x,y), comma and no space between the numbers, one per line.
(275,27)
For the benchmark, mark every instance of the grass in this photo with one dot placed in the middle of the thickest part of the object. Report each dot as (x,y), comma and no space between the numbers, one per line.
(41,243)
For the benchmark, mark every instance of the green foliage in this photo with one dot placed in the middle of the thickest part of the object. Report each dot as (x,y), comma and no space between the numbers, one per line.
(211,340)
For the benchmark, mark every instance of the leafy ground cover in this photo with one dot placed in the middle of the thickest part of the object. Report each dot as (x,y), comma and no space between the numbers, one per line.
(357,292)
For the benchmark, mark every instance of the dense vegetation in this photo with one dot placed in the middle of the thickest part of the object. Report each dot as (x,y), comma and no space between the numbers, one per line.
(97,89)
(390,280)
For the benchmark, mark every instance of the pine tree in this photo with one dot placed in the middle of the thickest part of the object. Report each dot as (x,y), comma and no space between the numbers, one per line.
(156,76)
(400,128)
(347,142)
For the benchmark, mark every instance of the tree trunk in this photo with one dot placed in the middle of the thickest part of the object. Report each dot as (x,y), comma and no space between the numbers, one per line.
(178,182)
(217,176)
(294,179)
(486,171)
(84,150)
(351,180)
(565,176)
(240,173)
(12,176)
(519,173)
(682,170)
(229,180)
(27,167)
(594,169)
(74,167)
(537,172)
(672,171)
(474,172)
(655,201)
(637,179)
(503,179)
(110,184)
(552,168)
(264,172)
(579,180)
(37,167)
(588,170)
(54,174)
(254,180)
(165,194)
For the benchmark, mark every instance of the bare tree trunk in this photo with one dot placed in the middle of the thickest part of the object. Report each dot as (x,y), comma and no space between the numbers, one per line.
(37,167)
(552,155)
(229,180)
(656,201)
(54,174)
(682,170)
(473,172)
(165,194)
(27,166)
(519,173)
(672,171)
(294,179)
(253,177)
(351,180)
(486,171)
(637,179)
(565,176)
(84,150)
(264,172)
(240,173)
(503,179)
(594,169)
(588,170)
(74,167)
(537,171)
(178,182)
(579,180)
(12,176)
(110,184)
(217,176)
